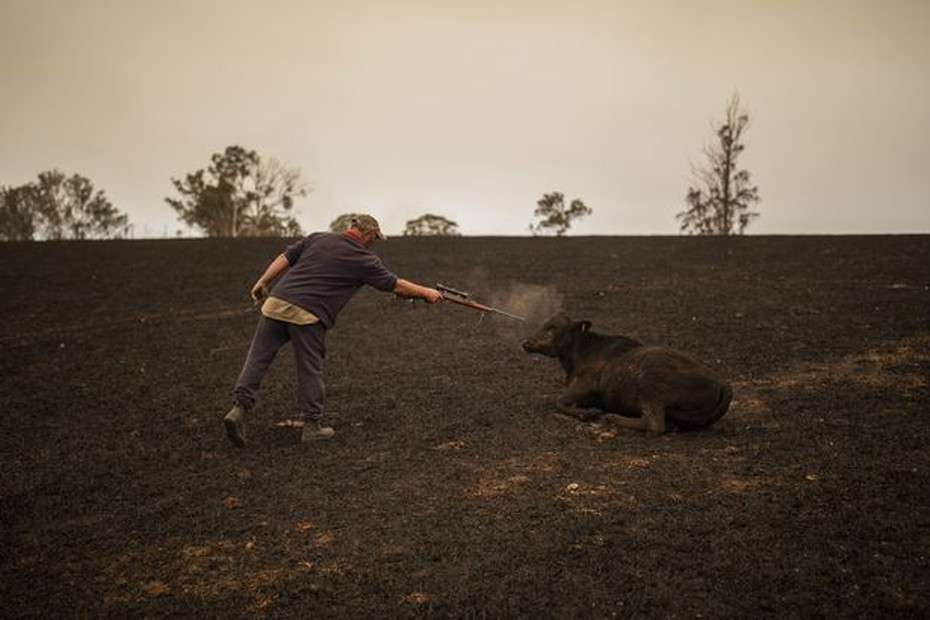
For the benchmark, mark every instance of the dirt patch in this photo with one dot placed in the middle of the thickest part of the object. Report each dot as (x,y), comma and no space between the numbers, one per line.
(452,487)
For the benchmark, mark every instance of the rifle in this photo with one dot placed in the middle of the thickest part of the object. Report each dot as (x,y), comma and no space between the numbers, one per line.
(461,298)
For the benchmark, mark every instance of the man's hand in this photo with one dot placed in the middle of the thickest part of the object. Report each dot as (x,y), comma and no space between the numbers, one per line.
(431,295)
(259,292)
(406,288)
(260,289)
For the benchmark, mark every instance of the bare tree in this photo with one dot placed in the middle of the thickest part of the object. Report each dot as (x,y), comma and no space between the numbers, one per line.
(240,194)
(555,215)
(342,223)
(431,225)
(271,195)
(720,202)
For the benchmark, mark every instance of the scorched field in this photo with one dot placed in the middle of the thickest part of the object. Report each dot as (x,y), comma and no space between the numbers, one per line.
(452,488)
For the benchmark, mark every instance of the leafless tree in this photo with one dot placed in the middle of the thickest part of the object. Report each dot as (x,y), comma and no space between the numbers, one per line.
(240,194)
(342,223)
(721,201)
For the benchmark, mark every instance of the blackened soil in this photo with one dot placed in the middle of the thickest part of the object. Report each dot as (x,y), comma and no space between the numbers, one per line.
(452,488)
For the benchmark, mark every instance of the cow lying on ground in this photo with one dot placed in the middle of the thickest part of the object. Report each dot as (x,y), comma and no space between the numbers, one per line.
(650,387)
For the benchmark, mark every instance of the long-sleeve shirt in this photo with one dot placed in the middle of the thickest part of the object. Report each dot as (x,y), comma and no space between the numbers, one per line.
(326,270)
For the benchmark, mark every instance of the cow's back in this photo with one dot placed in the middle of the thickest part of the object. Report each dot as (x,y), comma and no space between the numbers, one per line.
(692,393)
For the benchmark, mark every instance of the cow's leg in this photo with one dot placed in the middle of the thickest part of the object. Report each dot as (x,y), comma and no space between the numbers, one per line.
(578,401)
(637,424)
(654,415)
(584,414)
(652,419)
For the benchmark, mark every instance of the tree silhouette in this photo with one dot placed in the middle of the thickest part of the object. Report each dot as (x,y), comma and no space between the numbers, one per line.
(431,225)
(240,194)
(721,200)
(342,222)
(57,207)
(554,215)
(17,214)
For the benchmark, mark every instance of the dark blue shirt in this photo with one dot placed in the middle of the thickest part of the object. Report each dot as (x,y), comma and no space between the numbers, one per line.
(326,270)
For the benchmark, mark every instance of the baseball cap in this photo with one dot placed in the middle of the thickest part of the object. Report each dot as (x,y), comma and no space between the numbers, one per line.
(365,223)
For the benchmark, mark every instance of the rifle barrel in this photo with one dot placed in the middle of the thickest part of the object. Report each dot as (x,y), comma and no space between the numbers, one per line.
(508,315)
(476,306)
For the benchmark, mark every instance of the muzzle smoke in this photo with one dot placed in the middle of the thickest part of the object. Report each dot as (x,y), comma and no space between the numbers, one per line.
(533,302)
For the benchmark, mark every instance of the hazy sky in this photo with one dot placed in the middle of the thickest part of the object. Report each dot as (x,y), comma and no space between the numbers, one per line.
(473,109)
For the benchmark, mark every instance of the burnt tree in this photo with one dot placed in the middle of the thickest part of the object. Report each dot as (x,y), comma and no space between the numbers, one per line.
(721,200)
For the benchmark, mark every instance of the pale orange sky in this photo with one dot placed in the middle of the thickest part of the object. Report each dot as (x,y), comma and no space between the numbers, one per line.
(474,109)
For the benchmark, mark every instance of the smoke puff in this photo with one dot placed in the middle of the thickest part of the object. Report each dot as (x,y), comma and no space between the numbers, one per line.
(534,302)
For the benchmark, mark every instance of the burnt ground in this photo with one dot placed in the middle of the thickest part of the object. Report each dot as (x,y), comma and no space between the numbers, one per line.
(452,488)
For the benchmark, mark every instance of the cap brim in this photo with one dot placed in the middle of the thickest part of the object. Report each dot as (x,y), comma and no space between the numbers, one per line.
(380,235)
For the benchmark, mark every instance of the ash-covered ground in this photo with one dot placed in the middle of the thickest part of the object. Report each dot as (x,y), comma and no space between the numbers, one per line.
(452,488)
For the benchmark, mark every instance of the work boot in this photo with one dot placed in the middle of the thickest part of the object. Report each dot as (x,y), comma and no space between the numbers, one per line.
(235,425)
(313,430)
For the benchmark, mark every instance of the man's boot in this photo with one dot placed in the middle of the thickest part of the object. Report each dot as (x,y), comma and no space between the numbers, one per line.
(235,425)
(313,430)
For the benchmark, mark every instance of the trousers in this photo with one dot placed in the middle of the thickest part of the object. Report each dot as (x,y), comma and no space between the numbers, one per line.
(309,342)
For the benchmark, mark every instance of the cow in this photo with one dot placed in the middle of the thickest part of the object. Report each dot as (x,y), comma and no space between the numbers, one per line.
(649,387)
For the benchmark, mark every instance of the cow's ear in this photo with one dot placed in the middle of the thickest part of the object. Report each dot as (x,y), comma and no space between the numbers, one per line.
(585,325)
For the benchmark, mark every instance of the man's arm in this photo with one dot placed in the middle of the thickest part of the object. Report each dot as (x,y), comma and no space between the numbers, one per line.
(274,269)
(406,288)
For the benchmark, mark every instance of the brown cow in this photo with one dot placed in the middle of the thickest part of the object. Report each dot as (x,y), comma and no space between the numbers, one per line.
(648,386)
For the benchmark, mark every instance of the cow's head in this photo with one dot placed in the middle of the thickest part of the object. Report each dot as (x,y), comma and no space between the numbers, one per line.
(556,336)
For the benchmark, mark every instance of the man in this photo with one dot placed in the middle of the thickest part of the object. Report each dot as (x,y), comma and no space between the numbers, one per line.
(321,272)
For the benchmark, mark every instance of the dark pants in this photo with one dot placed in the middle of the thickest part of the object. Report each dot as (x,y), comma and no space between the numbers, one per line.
(309,343)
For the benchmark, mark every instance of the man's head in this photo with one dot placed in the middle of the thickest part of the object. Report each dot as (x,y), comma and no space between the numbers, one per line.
(368,227)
